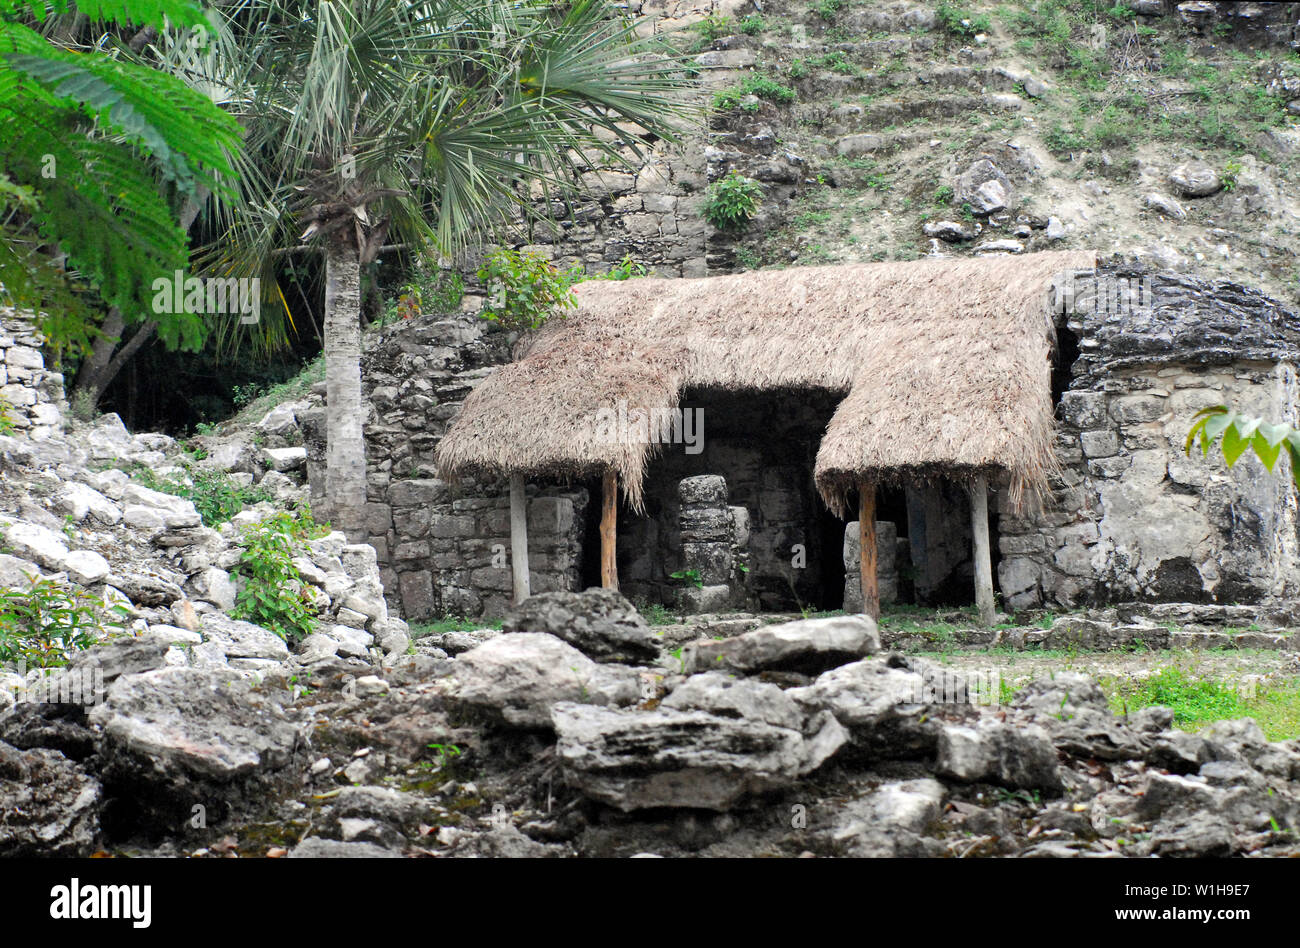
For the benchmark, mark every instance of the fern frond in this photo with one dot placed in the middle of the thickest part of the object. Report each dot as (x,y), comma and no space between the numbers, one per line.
(142,12)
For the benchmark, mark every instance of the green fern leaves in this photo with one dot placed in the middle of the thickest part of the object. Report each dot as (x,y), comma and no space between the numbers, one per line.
(94,153)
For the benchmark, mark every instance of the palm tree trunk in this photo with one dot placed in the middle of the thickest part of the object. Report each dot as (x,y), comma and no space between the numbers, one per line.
(345,452)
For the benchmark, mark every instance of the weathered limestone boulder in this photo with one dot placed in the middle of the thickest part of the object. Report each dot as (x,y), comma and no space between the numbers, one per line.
(285,459)
(952,231)
(86,567)
(176,737)
(215,586)
(810,646)
(742,698)
(675,758)
(317,848)
(1196,179)
(516,678)
(154,588)
(112,660)
(889,820)
(16,572)
(999,752)
(176,513)
(886,704)
(282,420)
(81,501)
(1165,205)
(984,187)
(49,806)
(600,623)
(38,544)
(242,639)
(457,642)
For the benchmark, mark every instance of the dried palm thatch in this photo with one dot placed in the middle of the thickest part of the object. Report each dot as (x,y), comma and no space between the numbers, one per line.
(944,365)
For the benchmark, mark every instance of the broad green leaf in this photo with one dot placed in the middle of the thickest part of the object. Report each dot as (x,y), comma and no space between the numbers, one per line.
(1234,445)
(1266,452)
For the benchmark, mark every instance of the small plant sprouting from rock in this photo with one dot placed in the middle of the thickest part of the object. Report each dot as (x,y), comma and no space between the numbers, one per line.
(274,595)
(732,201)
(690,575)
(1231,169)
(443,754)
(44,624)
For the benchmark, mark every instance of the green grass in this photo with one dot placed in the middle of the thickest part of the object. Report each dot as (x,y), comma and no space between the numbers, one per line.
(924,622)
(296,387)
(764,87)
(452,624)
(1197,701)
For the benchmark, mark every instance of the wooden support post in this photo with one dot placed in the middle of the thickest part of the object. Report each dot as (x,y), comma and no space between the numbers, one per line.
(979,529)
(609,532)
(519,537)
(867,553)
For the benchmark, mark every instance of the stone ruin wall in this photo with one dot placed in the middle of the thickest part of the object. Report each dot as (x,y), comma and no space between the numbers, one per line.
(443,548)
(31,396)
(1130,516)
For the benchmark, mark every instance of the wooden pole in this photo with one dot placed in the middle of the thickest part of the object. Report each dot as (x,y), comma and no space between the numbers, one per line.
(979,528)
(609,532)
(519,537)
(867,553)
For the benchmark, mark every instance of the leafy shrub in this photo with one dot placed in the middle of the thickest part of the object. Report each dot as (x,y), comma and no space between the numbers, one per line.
(440,291)
(215,494)
(836,62)
(713,27)
(243,395)
(625,269)
(753,24)
(943,194)
(828,9)
(274,595)
(45,623)
(765,87)
(525,289)
(691,576)
(962,22)
(732,201)
(1231,169)
(6,421)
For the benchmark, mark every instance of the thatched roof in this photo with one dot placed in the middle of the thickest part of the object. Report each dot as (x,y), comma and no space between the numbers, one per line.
(944,366)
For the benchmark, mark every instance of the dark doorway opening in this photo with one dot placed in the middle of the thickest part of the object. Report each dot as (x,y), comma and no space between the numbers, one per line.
(830,542)
(1067,353)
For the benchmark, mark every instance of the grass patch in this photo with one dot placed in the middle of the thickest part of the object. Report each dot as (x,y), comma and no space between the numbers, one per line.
(1197,701)
(764,87)
(452,624)
(934,625)
(294,388)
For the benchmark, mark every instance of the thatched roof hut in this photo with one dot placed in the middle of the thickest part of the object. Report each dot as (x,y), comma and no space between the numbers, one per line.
(943,365)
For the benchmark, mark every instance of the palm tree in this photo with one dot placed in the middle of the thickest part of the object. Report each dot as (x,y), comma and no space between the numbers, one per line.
(371,122)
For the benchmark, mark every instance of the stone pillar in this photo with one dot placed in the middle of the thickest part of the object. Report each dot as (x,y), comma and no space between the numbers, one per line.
(708,532)
(886,564)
